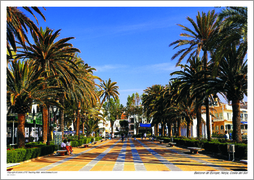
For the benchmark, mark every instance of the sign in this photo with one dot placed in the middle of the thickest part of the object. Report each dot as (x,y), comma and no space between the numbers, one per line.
(34,132)
(145,125)
(58,138)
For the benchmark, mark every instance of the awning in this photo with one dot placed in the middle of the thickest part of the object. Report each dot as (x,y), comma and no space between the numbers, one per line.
(244,122)
(144,125)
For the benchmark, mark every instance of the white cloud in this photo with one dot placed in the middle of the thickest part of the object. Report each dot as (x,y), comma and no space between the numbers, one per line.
(109,67)
(162,67)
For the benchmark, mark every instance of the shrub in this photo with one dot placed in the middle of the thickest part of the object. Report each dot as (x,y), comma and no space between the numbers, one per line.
(23,154)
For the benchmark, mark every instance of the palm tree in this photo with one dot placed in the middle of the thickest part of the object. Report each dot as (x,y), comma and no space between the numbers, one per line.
(203,39)
(152,101)
(84,92)
(53,58)
(17,27)
(231,80)
(24,86)
(109,89)
(235,22)
(233,28)
(186,84)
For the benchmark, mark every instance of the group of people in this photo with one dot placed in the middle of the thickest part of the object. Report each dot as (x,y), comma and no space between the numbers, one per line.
(67,146)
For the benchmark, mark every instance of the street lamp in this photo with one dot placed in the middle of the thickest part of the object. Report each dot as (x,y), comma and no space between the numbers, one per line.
(48,138)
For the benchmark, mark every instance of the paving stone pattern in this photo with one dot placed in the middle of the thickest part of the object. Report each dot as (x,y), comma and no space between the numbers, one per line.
(130,155)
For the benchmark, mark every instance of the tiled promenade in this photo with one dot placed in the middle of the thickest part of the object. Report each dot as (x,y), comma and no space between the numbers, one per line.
(130,155)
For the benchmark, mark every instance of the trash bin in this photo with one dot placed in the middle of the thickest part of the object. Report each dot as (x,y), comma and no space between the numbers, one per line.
(231,149)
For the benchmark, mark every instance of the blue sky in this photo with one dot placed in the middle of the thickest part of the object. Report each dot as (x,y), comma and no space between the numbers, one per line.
(128,44)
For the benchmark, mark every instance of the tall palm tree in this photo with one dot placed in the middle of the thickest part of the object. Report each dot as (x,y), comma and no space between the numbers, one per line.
(17,27)
(84,92)
(186,82)
(231,80)
(152,100)
(52,57)
(24,86)
(233,28)
(234,21)
(109,89)
(203,38)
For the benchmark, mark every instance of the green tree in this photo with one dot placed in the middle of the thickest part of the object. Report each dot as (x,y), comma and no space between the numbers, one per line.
(51,57)
(17,27)
(231,80)
(203,38)
(24,87)
(113,110)
(108,90)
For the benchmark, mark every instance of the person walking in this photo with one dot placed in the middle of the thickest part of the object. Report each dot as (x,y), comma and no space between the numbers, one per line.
(122,137)
(226,136)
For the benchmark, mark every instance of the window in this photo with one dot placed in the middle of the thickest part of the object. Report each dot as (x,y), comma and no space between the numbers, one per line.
(220,116)
(216,128)
(228,126)
(221,127)
(132,120)
(245,117)
(132,127)
(229,116)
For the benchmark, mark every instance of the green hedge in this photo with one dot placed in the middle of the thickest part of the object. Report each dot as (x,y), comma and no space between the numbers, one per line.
(214,146)
(23,154)
(84,140)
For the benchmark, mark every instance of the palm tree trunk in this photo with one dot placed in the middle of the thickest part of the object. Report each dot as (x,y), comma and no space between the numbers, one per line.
(45,124)
(21,130)
(83,127)
(199,122)
(155,129)
(78,124)
(236,120)
(112,130)
(208,120)
(169,129)
(206,99)
(175,129)
(62,118)
(163,130)
(188,127)
(179,127)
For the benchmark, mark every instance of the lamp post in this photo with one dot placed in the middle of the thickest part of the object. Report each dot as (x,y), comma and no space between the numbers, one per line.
(34,121)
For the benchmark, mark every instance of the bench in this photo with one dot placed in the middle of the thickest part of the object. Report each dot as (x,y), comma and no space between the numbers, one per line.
(172,144)
(244,161)
(61,152)
(194,149)
(11,165)
(83,146)
(161,141)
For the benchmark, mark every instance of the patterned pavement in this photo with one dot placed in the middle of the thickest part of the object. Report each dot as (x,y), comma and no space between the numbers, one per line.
(130,155)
